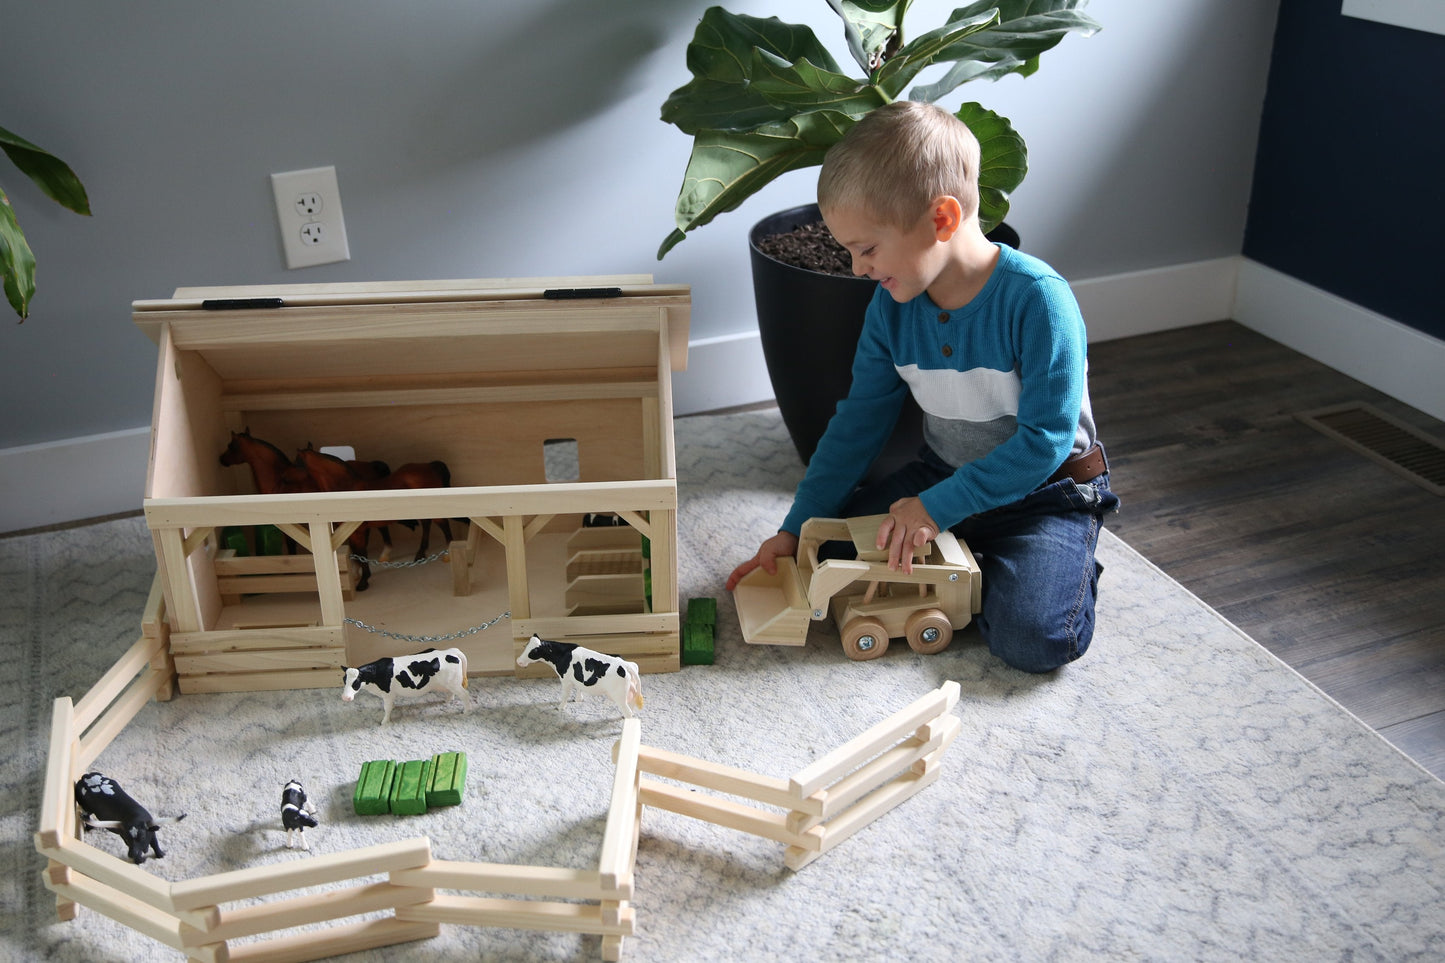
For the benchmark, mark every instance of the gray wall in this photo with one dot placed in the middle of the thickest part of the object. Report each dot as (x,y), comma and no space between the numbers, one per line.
(477,138)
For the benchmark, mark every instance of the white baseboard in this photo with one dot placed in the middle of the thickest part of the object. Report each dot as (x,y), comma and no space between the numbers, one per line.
(98,475)
(72,479)
(1384,354)
(722,372)
(1142,302)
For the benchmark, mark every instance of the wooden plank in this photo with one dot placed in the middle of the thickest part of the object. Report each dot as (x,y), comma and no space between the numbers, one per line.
(259,681)
(57,798)
(119,714)
(241,640)
(308,909)
(727,813)
(518,914)
(615,865)
(113,873)
(459,502)
(333,941)
(312,871)
(903,757)
(514,880)
(328,576)
(861,815)
(579,391)
(116,678)
(262,660)
(859,750)
(726,779)
(121,907)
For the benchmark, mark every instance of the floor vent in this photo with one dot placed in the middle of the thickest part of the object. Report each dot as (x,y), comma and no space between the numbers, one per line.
(1402,448)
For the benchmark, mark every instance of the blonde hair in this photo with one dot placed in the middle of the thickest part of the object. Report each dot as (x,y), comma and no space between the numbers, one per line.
(897,160)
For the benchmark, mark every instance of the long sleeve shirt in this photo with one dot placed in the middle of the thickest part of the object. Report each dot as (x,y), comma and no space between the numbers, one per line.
(1002,382)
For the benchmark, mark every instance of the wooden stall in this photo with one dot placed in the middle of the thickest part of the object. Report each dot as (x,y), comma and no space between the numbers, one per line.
(547,399)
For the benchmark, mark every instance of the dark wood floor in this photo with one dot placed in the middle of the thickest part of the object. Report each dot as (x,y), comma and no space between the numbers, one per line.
(1331,561)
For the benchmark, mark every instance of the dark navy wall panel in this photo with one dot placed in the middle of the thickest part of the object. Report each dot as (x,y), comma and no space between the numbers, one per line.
(1349,183)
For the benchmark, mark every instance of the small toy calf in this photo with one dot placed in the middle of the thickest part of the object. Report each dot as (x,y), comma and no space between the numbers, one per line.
(388,678)
(298,814)
(107,806)
(582,670)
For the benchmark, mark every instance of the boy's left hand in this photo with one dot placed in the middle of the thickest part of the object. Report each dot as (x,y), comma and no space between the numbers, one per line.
(908,523)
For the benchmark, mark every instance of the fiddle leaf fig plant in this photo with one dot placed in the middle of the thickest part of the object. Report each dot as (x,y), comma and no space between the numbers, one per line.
(55,178)
(766,97)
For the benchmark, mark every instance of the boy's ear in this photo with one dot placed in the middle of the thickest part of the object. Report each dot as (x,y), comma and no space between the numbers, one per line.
(947,216)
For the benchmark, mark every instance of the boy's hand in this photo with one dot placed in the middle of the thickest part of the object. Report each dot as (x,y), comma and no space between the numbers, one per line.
(783,543)
(908,523)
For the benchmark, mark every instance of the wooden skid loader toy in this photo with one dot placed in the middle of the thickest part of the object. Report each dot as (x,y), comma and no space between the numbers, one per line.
(870,603)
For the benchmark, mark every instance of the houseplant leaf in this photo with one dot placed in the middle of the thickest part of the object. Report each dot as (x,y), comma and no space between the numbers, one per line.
(727,167)
(1003,162)
(928,48)
(724,52)
(51,174)
(17,263)
(1025,29)
(871,28)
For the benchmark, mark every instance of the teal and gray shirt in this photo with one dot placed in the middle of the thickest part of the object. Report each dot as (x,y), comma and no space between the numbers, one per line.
(1002,381)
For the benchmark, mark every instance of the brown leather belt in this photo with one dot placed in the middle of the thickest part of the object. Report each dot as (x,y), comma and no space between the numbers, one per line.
(1083,467)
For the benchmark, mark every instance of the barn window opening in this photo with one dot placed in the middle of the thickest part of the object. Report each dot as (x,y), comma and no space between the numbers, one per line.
(559,460)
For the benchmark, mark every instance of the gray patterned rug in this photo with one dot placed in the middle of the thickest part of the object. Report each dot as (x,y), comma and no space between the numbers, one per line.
(1178,794)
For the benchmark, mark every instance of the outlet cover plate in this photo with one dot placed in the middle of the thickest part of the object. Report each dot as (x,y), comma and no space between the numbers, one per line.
(308,209)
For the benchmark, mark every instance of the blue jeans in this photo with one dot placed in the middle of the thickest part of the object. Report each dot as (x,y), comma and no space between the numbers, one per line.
(1040,578)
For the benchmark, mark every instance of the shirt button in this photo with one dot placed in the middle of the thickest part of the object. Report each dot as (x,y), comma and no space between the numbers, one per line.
(948,351)
(943,317)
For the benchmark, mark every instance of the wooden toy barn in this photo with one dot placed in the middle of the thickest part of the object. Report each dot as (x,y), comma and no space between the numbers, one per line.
(548,401)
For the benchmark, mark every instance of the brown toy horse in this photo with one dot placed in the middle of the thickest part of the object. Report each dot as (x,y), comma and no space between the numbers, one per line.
(333,474)
(273,472)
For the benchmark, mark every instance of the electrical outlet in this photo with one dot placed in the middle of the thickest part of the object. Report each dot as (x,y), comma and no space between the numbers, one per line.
(308,207)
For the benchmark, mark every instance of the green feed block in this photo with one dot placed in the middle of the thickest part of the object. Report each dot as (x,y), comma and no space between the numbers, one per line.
(702,611)
(448,779)
(697,644)
(272,542)
(373,787)
(408,790)
(234,538)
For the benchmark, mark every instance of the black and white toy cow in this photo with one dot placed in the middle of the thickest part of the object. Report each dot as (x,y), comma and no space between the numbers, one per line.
(107,806)
(298,814)
(583,670)
(444,669)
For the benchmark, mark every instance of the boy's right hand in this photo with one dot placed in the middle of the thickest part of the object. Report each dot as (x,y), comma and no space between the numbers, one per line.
(783,543)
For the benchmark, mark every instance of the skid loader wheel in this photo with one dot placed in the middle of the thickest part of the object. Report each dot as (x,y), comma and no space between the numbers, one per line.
(864,639)
(928,631)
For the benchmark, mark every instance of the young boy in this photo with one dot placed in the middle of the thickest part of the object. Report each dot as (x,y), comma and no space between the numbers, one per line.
(991,344)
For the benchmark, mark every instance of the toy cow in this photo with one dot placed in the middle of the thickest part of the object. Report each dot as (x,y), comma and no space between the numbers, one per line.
(298,814)
(107,806)
(444,669)
(583,670)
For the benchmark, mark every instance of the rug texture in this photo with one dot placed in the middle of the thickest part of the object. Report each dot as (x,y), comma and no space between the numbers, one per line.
(1177,794)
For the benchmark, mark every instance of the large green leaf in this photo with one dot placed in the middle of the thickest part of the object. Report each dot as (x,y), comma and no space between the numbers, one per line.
(870,28)
(726,51)
(928,49)
(17,263)
(1003,161)
(50,173)
(1025,29)
(727,167)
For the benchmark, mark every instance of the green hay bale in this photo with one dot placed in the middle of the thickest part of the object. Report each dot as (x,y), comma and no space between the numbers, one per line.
(373,787)
(697,644)
(702,611)
(408,789)
(448,779)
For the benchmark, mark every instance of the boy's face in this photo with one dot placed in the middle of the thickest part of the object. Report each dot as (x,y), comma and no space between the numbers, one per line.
(904,262)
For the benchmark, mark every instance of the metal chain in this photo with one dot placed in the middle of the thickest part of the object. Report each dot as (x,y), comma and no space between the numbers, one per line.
(429,638)
(377,563)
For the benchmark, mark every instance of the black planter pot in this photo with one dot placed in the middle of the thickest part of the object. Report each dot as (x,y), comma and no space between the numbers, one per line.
(809,324)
